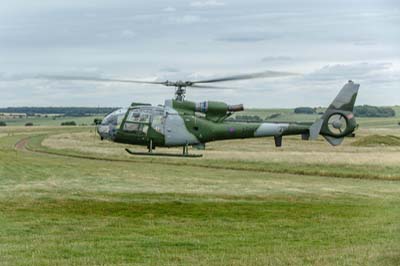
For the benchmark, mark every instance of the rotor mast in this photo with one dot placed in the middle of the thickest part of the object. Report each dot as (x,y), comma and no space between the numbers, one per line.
(180,88)
(180,93)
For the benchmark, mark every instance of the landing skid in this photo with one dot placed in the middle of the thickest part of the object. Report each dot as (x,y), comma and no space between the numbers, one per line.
(164,154)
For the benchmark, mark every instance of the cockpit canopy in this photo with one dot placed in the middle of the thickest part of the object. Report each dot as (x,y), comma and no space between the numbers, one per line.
(138,120)
(115,118)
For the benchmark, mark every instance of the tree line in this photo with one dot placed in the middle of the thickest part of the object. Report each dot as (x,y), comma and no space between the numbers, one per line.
(359,111)
(65,111)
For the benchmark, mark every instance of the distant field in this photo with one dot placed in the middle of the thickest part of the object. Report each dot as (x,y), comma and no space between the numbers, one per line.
(50,121)
(244,203)
(288,115)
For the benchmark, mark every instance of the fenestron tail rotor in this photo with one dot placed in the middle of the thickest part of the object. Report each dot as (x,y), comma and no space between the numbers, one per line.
(337,124)
(180,85)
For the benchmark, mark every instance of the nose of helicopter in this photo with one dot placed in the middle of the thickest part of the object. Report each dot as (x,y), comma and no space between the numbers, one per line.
(108,127)
(104,131)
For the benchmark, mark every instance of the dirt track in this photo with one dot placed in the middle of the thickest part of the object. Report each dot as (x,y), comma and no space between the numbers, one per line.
(21,145)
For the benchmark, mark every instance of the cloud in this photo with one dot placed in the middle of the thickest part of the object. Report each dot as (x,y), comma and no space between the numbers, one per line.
(187,19)
(249,37)
(209,3)
(275,59)
(169,9)
(128,34)
(170,70)
(349,71)
(365,43)
(130,40)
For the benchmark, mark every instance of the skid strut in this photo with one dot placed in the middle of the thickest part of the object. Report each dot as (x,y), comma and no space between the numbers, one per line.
(150,152)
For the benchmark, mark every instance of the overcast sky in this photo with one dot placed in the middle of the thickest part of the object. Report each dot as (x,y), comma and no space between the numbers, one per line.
(328,42)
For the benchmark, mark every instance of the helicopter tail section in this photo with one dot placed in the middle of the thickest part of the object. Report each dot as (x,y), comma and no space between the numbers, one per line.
(338,121)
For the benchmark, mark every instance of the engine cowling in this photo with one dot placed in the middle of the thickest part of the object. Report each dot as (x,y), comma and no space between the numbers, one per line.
(214,111)
(217,111)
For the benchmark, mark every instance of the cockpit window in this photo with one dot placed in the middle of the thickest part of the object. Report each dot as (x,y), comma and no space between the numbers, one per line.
(139,116)
(115,118)
(158,122)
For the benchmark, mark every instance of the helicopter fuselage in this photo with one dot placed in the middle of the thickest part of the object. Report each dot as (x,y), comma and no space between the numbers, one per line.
(180,123)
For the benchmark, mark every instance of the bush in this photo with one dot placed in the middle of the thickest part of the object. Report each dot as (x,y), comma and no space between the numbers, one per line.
(304,110)
(373,111)
(3,124)
(68,123)
(97,121)
(28,124)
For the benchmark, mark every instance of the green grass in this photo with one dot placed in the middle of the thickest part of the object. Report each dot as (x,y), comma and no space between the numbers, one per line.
(377,140)
(299,168)
(174,229)
(71,211)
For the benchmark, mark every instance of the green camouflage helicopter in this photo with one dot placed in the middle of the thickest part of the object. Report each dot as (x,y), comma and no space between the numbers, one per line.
(184,123)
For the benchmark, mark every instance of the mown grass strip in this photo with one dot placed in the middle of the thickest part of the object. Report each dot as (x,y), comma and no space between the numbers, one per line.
(329,170)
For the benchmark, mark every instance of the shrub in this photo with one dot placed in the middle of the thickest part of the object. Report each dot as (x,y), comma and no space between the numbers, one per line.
(373,111)
(97,121)
(3,124)
(28,124)
(68,123)
(304,110)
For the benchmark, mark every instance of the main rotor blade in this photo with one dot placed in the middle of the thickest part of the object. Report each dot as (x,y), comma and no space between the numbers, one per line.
(211,87)
(78,78)
(266,74)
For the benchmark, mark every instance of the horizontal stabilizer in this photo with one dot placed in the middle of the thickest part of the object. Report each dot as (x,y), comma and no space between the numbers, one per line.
(315,129)
(334,141)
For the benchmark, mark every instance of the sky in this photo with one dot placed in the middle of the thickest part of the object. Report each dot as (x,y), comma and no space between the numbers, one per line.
(326,42)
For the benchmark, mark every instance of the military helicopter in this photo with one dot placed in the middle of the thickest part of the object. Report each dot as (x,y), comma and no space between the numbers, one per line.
(184,123)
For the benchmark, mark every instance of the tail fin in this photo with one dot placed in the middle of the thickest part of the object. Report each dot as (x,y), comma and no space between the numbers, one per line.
(338,121)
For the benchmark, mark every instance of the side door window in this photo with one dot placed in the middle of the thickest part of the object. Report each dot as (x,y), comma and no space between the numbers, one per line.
(158,121)
(137,121)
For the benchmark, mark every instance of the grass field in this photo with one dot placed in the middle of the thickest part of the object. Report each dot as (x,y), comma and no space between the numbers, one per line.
(244,203)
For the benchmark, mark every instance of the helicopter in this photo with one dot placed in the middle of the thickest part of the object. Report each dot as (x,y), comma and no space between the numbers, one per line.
(182,123)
